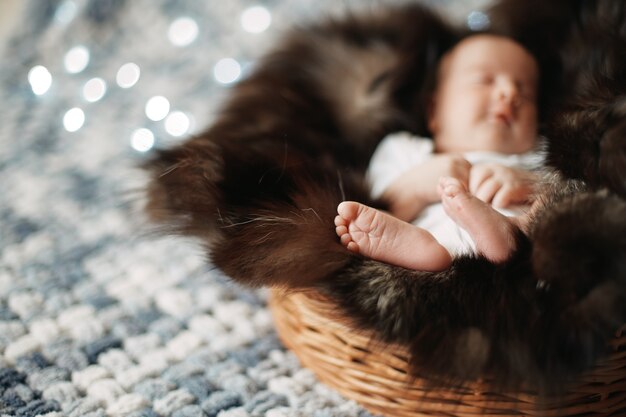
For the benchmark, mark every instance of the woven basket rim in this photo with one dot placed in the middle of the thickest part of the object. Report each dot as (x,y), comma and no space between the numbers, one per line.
(375,374)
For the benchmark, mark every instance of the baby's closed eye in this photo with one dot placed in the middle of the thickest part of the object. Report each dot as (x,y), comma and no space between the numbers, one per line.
(481,78)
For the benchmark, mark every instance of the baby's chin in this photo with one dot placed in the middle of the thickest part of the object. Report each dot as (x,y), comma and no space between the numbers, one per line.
(500,137)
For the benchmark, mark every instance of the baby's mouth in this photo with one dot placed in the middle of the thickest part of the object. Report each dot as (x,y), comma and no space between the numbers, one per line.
(501,118)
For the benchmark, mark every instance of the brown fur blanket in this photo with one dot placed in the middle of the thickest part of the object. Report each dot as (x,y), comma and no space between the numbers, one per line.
(260,187)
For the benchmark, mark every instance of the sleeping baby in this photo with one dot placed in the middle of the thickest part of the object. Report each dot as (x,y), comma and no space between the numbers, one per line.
(470,187)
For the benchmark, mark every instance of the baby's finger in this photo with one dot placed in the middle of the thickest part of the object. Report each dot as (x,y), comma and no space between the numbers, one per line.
(477,176)
(464,178)
(487,190)
(462,172)
(449,186)
(510,194)
(503,197)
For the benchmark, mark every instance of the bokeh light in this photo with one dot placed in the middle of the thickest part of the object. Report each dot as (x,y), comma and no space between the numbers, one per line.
(76,59)
(183,31)
(66,12)
(177,124)
(40,79)
(157,108)
(128,75)
(142,140)
(94,89)
(227,71)
(477,20)
(256,19)
(74,119)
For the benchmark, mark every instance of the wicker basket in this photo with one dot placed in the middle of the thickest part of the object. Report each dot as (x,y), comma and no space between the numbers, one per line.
(376,375)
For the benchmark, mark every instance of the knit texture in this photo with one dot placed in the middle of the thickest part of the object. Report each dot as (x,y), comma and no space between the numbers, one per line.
(99,316)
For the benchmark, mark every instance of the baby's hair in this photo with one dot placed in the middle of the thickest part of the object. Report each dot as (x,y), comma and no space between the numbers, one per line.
(431,80)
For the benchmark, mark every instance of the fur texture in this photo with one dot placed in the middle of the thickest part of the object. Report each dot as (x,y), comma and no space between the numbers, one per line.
(260,189)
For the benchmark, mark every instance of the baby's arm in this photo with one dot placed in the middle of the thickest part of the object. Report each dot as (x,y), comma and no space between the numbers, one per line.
(500,185)
(417,188)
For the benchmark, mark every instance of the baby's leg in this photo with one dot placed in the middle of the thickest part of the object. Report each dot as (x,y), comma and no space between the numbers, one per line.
(492,232)
(380,236)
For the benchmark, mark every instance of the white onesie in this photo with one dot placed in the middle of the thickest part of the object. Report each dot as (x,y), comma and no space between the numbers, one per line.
(399,152)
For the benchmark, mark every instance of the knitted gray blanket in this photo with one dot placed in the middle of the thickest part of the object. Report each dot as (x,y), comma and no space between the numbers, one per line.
(98,316)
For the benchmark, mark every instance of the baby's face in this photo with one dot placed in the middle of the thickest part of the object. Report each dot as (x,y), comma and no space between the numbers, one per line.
(486,98)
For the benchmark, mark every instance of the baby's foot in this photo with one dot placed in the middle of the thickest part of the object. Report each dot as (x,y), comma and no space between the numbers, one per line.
(383,237)
(492,232)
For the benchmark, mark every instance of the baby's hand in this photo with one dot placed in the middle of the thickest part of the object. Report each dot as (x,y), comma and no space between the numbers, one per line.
(500,185)
(444,165)
(417,188)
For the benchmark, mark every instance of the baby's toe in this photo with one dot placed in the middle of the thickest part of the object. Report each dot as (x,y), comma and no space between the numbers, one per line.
(346,239)
(340,221)
(341,230)
(353,247)
(348,210)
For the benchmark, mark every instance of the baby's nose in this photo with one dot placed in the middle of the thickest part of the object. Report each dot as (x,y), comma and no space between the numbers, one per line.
(507,91)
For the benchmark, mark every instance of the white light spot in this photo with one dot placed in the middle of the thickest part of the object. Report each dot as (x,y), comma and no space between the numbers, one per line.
(76,59)
(477,21)
(128,75)
(73,119)
(94,89)
(183,31)
(256,19)
(157,108)
(177,124)
(227,71)
(142,140)
(40,79)
(66,12)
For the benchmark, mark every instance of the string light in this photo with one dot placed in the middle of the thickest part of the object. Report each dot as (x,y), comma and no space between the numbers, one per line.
(142,140)
(477,21)
(74,119)
(128,75)
(76,59)
(157,108)
(177,124)
(183,31)
(66,12)
(256,19)
(40,79)
(94,89)
(227,71)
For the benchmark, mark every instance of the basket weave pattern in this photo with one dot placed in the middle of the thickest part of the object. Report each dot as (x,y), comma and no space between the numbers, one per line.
(375,374)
